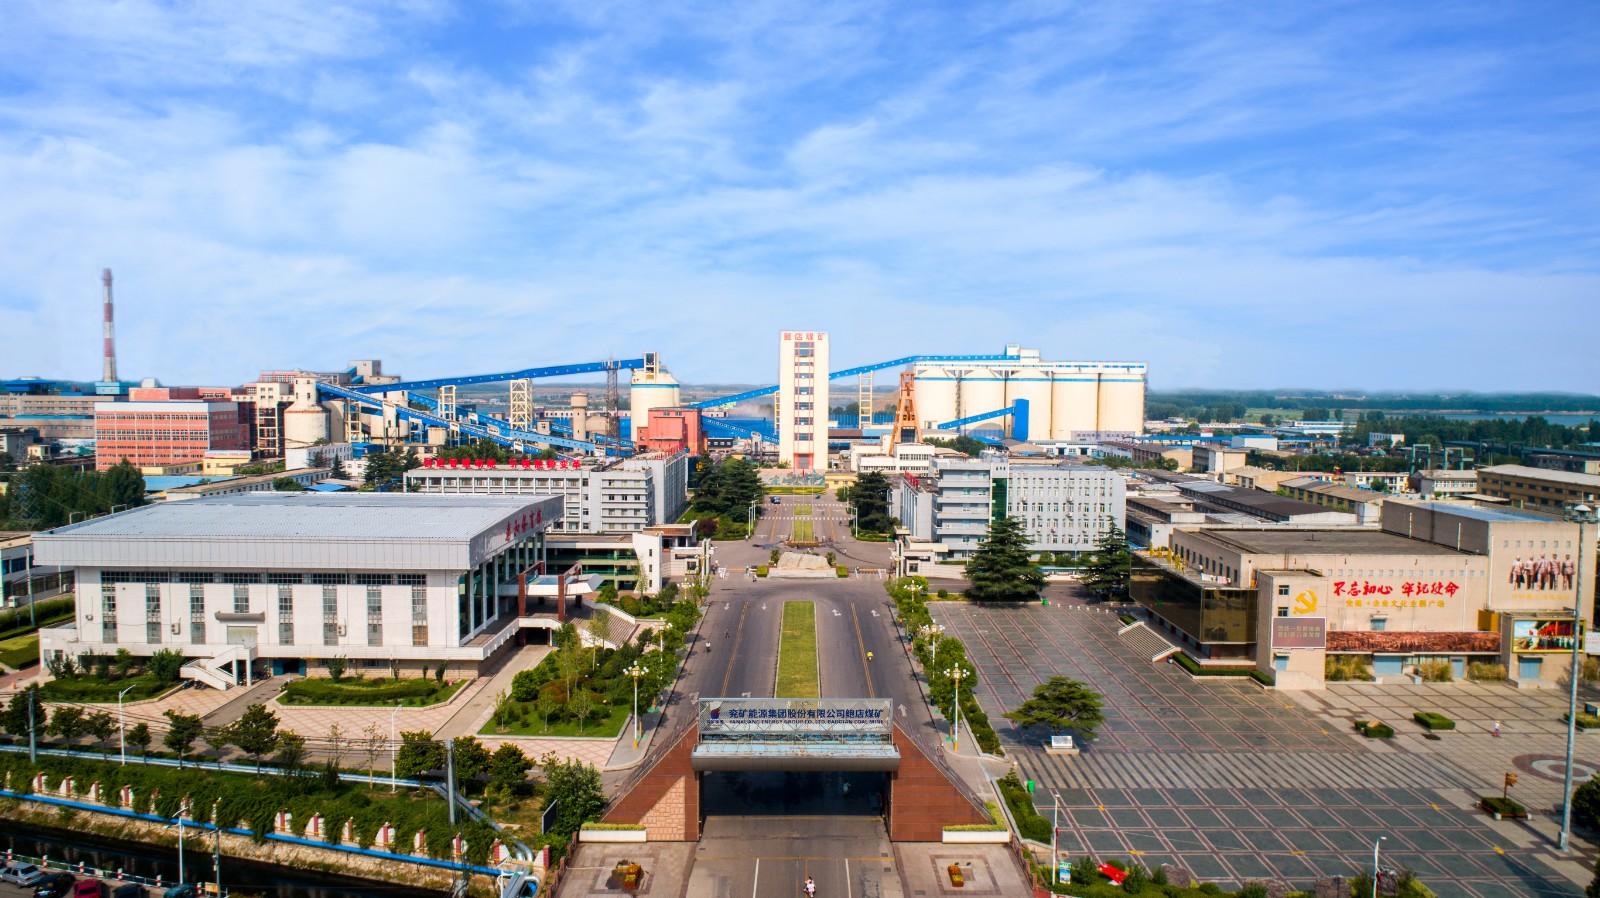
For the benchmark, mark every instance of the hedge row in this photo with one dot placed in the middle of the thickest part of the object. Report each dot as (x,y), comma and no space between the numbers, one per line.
(360,692)
(252,802)
(1433,720)
(1194,667)
(908,593)
(1030,823)
(18,621)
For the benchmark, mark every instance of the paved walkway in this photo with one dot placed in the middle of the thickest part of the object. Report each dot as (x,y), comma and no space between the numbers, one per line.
(472,714)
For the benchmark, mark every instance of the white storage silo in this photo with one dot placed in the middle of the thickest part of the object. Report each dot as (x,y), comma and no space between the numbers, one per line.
(982,390)
(305,421)
(651,388)
(1074,400)
(935,394)
(1032,384)
(1122,401)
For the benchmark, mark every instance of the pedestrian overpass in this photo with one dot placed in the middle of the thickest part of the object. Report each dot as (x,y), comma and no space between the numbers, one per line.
(806,742)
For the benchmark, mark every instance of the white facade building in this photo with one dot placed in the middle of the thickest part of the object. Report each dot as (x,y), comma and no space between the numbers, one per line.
(598,495)
(802,405)
(380,579)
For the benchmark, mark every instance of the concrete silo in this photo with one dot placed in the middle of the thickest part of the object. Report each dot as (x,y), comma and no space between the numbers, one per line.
(935,393)
(305,421)
(1122,399)
(982,390)
(1032,384)
(652,387)
(1074,401)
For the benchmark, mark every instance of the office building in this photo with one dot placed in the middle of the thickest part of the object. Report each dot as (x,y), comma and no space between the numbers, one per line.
(1538,489)
(599,495)
(161,433)
(801,410)
(294,579)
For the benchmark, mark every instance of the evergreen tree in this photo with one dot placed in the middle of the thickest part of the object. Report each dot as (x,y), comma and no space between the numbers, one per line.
(255,732)
(1058,704)
(1002,569)
(1107,570)
(182,731)
(870,499)
(728,489)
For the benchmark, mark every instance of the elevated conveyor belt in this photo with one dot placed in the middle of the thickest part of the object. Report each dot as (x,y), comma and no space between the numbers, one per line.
(853,372)
(524,374)
(500,433)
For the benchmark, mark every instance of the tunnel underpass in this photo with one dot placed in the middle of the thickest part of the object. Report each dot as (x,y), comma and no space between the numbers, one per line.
(764,793)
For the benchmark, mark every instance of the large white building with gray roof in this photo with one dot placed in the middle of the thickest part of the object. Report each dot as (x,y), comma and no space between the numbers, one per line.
(294,579)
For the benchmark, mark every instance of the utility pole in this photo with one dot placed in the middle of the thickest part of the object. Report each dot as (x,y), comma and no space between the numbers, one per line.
(216,847)
(450,778)
(33,736)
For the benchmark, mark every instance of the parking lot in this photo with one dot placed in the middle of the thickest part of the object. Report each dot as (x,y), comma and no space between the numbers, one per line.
(1237,782)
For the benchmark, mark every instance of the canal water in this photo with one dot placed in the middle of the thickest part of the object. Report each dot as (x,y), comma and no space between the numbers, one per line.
(239,877)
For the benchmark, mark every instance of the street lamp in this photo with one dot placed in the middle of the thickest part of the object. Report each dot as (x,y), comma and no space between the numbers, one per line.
(1375,864)
(956,673)
(1055,824)
(933,632)
(179,824)
(636,672)
(122,742)
(750,516)
(1580,515)
(394,749)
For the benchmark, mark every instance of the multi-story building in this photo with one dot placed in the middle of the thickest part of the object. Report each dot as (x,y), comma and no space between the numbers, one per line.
(1221,499)
(1539,489)
(801,411)
(55,415)
(1438,484)
(598,495)
(166,433)
(296,579)
(1440,581)
(1065,507)
(21,580)
(1216,458)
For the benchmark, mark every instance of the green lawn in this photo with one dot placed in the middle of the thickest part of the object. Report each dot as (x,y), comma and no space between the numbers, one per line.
(802,511)
(20,651)
(412,693)
(803,531)
(82,688)
(530,724)
(797,652)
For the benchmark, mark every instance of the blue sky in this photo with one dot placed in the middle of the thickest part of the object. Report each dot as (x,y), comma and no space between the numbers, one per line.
(1371,195)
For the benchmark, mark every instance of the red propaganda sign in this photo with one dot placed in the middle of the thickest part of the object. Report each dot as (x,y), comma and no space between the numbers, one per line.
(1299,632)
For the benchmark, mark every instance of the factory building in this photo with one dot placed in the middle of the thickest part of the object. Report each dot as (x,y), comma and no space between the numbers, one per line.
(801,411)
(598,495)
(295,579)
(1066,400)
(1541,489)
(41,406)
(164,433)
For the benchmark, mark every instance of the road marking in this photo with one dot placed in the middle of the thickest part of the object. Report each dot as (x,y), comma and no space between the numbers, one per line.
(755,887)
(1297,851)
(862,647)
(847,893)
(734,652)
(1134,851)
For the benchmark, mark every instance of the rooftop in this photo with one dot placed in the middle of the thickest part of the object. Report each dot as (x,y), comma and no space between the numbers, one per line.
(1324,542)
(307,516)
(1336,490)
(1548,474)
(1258,501)
(1480,513)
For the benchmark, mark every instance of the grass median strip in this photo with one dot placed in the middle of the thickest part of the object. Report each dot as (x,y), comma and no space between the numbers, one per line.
(803,531)
(797,652)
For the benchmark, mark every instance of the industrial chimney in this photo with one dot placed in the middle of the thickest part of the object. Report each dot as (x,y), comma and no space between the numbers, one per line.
(109,373)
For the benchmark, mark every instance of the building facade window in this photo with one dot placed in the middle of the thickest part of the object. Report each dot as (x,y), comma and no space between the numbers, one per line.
(108,611)
(241,600)
(197,614)
(330,615)
(286,615)
(419,615)
(374,615)
(152,613)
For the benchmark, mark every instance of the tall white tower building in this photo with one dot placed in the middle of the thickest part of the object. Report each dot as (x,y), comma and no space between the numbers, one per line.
(802,408)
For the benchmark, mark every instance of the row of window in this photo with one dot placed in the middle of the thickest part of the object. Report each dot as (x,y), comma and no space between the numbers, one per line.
(244,578)
(331,633)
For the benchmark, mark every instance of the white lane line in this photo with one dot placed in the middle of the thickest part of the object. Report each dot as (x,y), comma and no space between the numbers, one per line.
(846,878)
(755,887)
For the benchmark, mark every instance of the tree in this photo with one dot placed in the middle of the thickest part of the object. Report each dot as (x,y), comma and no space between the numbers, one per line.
(1002,568)
(1058,704)
(471,758)
(870,499)
(165,665)
(338,745)
(68,723)
(336,665)
(256,732)
(1108,569)
(372,745)
(546,704)
(418,754)
(139,737)
(508,766)
(291,751)
(124,662)
(575,789)
(15,720)
(599,627)
(182,731)
(217,740)
(288,485)
(581,704)
(121,485)
(728,489)
(101,724)
(964,444)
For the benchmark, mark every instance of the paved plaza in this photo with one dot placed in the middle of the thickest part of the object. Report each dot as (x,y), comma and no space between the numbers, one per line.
(1238,782)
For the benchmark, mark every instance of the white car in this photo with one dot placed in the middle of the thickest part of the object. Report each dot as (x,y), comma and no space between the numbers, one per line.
(22,874)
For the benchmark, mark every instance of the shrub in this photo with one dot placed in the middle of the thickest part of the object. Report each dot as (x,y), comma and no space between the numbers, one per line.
(1030,823)
(1340,668)
(844,571)
(1585,721)
(1506,807)
(1372,729)
(1433,720)
(1435,671)
(361,692)
(944,593)
(1586,803)
(1484,671)
(761,570)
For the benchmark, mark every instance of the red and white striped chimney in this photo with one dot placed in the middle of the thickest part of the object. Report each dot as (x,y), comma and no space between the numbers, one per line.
(109,372)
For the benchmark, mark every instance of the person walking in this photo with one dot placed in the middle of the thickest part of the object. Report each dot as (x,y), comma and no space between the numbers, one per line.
(811,887)
(1497,728)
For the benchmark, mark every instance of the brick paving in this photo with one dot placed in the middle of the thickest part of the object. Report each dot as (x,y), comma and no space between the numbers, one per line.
(1239,782)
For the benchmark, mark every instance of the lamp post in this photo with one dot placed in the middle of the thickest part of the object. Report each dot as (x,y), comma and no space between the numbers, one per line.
(956,673)
(394,749)
(636,672)
(750,516)
(1055,824)
(933,632)
(216,846)
(1375,864)
(1580,515)
(179,824)
(122,742)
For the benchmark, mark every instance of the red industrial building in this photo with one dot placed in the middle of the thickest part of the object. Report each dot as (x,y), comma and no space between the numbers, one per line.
(159,432)
(672,430)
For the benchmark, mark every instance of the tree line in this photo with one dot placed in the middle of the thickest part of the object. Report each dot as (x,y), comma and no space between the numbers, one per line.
(42,496)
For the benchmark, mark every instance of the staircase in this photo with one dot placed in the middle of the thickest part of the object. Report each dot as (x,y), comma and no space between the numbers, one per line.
(213,671)
(1145,641)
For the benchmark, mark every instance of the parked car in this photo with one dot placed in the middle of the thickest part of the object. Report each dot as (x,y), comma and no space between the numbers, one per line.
(182,890)
(21,874)
(89,888)
(54,885)
(128,890)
